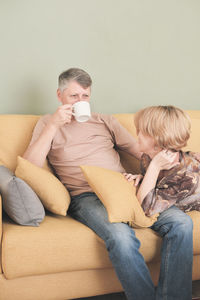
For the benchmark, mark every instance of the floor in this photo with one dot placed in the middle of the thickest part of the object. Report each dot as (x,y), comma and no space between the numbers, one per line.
(196,290)
(121,296)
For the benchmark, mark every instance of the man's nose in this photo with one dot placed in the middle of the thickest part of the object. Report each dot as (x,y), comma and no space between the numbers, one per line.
(78,98)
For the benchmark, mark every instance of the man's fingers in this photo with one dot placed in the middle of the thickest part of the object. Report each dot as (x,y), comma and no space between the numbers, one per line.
(130,177)
(137,180)
(65,108)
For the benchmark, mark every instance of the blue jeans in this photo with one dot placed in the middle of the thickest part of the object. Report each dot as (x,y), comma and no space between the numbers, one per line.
(175,227)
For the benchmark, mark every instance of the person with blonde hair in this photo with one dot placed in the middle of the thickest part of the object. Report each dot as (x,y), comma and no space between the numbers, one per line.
(162,133)
(168,185)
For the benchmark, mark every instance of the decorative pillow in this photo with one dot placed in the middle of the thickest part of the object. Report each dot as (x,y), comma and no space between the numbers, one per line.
(19,201)
(49,189)
(118,197)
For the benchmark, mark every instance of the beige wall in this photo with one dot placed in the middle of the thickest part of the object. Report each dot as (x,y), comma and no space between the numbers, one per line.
(139,52)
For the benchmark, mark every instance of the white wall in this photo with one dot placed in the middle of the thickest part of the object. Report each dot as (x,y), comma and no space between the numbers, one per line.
(138,52)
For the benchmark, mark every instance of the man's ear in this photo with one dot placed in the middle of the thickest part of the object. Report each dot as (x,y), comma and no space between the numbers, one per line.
(59,95)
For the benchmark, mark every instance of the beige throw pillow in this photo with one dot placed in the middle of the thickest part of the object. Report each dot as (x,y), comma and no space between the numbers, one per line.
(118,197)
(52,193)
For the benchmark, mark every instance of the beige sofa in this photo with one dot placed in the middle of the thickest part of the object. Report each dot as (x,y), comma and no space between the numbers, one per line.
(63,259)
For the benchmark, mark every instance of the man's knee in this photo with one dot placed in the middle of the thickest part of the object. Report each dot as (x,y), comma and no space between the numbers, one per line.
(184,224)
(121,237)
(182,220)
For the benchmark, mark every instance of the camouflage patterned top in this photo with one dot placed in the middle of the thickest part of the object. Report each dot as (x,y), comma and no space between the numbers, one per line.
(178,186)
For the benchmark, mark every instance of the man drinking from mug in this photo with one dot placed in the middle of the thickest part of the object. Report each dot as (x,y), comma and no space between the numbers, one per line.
(69,143)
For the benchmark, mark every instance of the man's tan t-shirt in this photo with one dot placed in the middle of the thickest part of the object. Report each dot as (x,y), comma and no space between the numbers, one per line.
(90,143)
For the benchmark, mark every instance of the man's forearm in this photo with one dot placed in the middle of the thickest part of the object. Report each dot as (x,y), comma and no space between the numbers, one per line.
(134,151)
(37,152)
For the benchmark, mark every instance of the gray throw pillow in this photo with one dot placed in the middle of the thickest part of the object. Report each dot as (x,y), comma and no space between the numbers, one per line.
(19,201)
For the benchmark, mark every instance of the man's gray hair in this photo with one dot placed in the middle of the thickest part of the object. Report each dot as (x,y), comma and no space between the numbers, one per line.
(74,74)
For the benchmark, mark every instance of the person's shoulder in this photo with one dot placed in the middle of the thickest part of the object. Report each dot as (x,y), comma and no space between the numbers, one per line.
(190,158)
(102,117)
(42,121)
(44,118)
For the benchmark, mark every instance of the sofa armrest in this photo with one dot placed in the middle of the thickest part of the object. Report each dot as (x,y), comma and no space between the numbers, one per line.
(0,233)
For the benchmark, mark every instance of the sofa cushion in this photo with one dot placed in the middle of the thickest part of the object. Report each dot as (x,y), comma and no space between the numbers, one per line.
(118,196)
(51,191)
(19,201)
(61,244)
(195,215)
(15,135)
(194,142)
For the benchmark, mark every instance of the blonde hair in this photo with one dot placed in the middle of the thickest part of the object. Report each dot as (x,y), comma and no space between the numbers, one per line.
(169,126)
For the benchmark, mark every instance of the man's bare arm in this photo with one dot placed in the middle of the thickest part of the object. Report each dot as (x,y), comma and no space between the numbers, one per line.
(37,152)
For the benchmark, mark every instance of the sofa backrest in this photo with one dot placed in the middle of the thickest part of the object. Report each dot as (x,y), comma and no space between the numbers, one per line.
(16,131)
(15,135)
(194,141)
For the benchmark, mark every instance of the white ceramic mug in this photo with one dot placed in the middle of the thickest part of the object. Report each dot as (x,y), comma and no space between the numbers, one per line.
(81,111)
